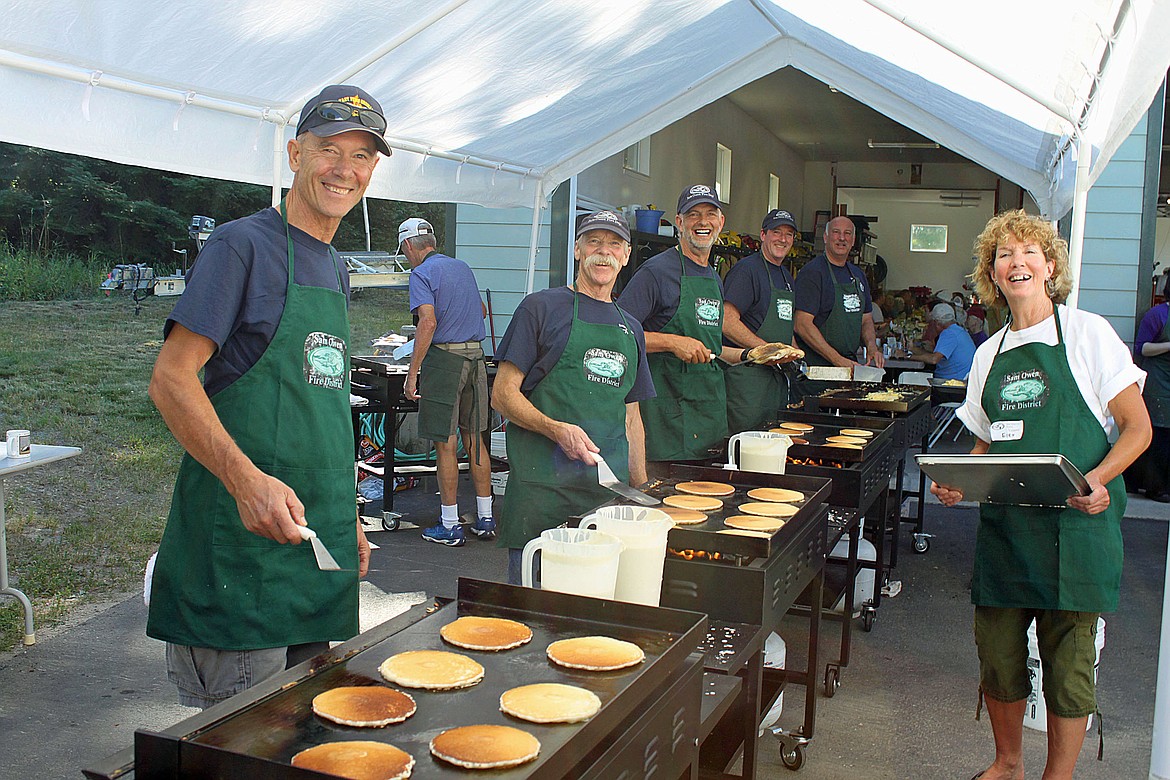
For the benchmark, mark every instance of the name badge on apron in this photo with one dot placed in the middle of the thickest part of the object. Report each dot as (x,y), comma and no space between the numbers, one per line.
(1007,430)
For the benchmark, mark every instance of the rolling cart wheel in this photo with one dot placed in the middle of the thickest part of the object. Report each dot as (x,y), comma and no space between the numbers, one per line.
(389,523)
(832,680)
(793,757)
(921,544)
(867,617)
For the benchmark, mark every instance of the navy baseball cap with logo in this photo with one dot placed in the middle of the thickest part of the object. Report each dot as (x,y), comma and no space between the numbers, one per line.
(777,217)
(694,195)
(604,220)
(340,108)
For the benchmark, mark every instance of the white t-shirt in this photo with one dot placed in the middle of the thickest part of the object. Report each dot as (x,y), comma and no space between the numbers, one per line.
(1100,362)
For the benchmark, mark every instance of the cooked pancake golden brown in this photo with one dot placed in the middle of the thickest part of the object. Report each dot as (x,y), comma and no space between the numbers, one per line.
(860,442)
(485,633)
(595,653)
(367,706)
(701,488)
(860,433)
(775,494)
(795,426)
(684,516)
(485,746)
(744,532)
(768,509)
(697,503)
(550,703)
(767,525)
(843,446)
(357,760)
(431,669)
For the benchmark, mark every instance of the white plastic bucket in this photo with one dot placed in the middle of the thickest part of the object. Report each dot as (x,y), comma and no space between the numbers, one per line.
(1036,713)
(775,656)
(499,444)
(499,482)
(863,581)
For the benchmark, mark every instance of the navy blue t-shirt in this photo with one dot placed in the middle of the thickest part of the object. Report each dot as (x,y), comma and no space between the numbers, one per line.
(652,294)
(236,289)
(748,287)
(449,285)
(816,287)
(539,331)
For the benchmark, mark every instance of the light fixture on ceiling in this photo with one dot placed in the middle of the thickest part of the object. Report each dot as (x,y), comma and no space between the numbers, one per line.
(958,199)
(902,144)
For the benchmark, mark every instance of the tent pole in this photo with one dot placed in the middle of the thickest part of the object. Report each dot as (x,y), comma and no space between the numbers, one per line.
(1076,241)
(535,236)
(277,161)
(366,219)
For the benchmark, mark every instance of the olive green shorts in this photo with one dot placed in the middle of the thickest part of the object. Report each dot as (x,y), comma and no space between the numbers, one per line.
(1068,652)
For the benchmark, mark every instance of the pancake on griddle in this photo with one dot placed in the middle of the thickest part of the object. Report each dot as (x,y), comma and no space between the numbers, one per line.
(595,653)
(435,670)
(701,488)
(364,706)
(745,532)
(485,746)
(768,509)
(357,760)
(860,442)
(698,503)
(767,525)
(550,703)
(684,516)
(796,426)
(775,494)
(485,633)
(843,446)
(860,433)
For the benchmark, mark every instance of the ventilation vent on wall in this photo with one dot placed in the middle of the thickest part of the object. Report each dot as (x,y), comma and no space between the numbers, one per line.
(960,199)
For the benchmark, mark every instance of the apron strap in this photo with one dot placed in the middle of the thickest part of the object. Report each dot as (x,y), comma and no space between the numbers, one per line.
(288,238)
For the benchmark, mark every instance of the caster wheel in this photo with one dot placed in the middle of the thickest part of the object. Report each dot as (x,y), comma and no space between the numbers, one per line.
(793,758)
(921,545)
(390,524)
(867,618)
(832,681)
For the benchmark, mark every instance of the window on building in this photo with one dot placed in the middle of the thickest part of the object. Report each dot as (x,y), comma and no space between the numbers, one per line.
(637,157)
(928,238)
(723,173)
(773,191)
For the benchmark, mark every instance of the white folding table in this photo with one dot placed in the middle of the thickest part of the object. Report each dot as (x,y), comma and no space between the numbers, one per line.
(41,455)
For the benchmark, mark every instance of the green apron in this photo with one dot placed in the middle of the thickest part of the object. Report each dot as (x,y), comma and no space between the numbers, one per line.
(1047,557)
(218,585)
(439,378)
(689,415)
(756,394)
(842,328)
(1157,390)
(588,385)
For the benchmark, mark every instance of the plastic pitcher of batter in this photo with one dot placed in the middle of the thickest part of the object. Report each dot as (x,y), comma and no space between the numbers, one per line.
(643,534)
(574,560)
(760,451)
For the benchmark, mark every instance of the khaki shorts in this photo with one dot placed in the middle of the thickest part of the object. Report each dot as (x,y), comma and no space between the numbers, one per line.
(466,413)
(1068,652)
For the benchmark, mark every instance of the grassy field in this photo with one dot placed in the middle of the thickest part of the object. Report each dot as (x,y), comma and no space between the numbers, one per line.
(76,373)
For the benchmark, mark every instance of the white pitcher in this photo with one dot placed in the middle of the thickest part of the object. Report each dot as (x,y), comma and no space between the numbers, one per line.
(760,451)
(574,560)
(643,533)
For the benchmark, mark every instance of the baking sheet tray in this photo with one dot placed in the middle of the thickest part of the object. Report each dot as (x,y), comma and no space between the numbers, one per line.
(1027,480)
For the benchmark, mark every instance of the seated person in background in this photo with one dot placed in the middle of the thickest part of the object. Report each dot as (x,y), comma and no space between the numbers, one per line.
(881,324)
(954,349)
(975,324)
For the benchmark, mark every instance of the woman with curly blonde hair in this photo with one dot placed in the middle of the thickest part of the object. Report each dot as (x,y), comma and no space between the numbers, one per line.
(1054,380)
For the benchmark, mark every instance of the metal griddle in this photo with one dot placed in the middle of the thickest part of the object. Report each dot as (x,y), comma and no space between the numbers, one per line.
(825,425)
(854,397)
(256,733)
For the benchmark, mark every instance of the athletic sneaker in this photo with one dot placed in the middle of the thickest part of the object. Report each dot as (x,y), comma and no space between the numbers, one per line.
(484,528)
(441,534)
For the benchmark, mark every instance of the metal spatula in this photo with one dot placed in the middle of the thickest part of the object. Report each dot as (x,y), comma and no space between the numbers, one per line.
(325,561)
(608,480)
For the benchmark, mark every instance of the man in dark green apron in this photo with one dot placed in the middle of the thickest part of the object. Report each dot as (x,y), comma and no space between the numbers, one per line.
(572,370)
(445,298)
(833,304)
(677,296)
(268,436)
(758,308)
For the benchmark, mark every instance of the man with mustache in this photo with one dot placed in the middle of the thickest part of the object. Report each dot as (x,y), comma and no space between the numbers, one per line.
(833,305)
(572,371)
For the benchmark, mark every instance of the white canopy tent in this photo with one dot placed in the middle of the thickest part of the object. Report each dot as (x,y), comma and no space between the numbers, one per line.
(495,103)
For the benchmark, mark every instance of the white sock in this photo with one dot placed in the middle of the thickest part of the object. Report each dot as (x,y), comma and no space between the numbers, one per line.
(449,514)
(483,505)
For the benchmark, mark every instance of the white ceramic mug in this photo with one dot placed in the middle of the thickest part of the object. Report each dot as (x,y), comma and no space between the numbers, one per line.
(19,444)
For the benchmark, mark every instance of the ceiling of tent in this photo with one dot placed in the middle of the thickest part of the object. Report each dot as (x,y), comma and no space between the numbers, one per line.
(495,103)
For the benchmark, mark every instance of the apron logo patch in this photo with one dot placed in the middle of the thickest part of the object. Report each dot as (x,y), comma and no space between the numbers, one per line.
(605,366)
(325,361)
(851,302)
(1023,390)
(707,312)
(784,309)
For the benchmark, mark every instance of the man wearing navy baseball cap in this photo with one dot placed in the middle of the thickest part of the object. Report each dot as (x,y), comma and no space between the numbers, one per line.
(678,298)
(572,371)
(758,309)
(267,432)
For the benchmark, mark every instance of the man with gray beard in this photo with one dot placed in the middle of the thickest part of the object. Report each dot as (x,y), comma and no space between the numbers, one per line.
(572,370)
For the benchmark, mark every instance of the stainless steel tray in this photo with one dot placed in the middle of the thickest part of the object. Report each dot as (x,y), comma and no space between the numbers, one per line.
(1027,480)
